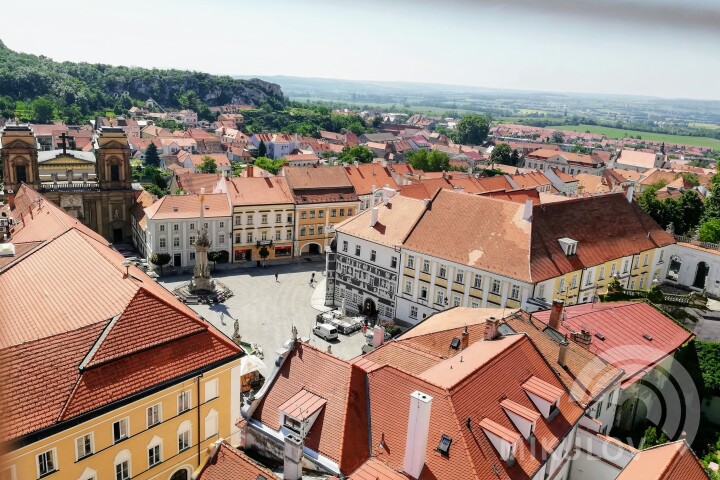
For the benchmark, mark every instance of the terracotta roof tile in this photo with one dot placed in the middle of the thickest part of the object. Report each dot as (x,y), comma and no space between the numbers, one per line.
(172,207)
(194,182)
(302,405)
(316,178)
(259,191)
(374,469)
(230,463)
(671,461)
(367,175)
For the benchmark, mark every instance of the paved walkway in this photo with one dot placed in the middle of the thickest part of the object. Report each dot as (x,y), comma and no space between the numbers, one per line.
(317,301)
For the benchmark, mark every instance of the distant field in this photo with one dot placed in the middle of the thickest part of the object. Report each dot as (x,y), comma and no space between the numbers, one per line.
(655,137)
(528,111)
(711,126)
(387,106)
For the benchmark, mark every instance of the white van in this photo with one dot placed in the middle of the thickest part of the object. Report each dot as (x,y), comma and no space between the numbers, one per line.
(326,331)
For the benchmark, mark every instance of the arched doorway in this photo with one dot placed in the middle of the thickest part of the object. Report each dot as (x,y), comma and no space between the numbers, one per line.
(311,249)
(369,308)
(182,474)
(701,275)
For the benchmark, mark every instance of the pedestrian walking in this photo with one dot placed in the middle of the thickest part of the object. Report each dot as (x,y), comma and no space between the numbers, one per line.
(312,278)
(364,327)
(276,277)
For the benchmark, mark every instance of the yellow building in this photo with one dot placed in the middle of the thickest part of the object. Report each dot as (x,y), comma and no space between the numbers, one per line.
(323,197)
(263,212)
(476,251)
(105,374)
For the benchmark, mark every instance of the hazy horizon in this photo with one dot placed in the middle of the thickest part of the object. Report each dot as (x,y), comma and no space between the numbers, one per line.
(595,47)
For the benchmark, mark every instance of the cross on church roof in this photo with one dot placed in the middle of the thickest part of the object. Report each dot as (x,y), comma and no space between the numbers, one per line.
(63,138)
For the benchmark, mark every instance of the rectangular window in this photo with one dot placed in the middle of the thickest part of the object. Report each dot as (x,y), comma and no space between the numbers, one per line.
(153,415)
(238,220)
(642,283)
(393,262)
(475,304)
(303,215)
(221,238)
(222,225)
(278,234)
(192,226)
(333,213)
(184,440)
(413,312)
(122,470)
(176,227)
(263,235)
(163,242)
(162,228)
(238,238)
(426,266)
(192,256)
(373,255)
(515,292)
(411,262)
(541,292)
(408,287)
(612,270)
(357,250)
(439,296)
(442,271)
(573,282)
(176,242)
(312,214)
(321,213)
(636,262)
(423,292)
(303,231)
(46,462)
(625,266)
(562,285)
(342,212)
(496,287)
(459,276)
(456,300)
(183,402)
(278,218)
(211,389)
(120,430)
(83,446)
(114,173)
(350,212)
(311,230)
(345,246)
(601,275)
(153,456)
(588,279)
(250,219)
(289,218)
(477,282)
(645,261)
(288,235)
(248,237)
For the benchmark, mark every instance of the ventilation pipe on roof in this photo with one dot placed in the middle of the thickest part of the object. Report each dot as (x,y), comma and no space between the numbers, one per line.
(562,353)
(374,216)
(556,314)
(464,339)
(630,192)
(527,212)
(250,171)
(417,433)
(293,449)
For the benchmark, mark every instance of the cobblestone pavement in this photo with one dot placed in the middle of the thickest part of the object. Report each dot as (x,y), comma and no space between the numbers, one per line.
(267,309)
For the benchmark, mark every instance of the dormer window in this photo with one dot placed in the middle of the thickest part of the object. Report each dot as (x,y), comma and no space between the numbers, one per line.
(523,418)
(545,396)
(503,439)
(568,245)
(293,424)
(300,411)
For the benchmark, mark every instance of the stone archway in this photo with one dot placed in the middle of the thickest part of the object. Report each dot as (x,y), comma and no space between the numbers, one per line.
(701,274)
(673,271)
(311,249)
(185,473)
(369,308)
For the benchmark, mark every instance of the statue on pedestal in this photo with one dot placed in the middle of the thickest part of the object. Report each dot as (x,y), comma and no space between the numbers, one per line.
(201,274)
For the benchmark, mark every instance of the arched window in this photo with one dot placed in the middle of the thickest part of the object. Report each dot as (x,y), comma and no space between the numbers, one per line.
(154,451)
(701,274)
(88,474)
(211,424)
(674,268)
(123,467)
(184,436)
(182,474)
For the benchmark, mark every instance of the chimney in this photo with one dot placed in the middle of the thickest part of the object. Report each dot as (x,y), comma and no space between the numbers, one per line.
(527,212)
(427,202)
(464,339)
(417,433)
(582,337)
(491,328)
(378,336)
(630,192)
(374,216)
(250,171)
(11,199)
(562,353)
(292,466)
(202,191)
(556,314)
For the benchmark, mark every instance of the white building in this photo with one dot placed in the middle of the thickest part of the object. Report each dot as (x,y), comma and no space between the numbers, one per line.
(694,265)
(173,223)
(566,162)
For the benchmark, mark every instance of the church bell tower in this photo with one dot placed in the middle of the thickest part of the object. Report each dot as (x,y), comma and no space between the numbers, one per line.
(19,154)
(112,156)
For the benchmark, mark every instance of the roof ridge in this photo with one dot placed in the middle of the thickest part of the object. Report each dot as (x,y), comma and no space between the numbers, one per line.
(497,357)
(416,349)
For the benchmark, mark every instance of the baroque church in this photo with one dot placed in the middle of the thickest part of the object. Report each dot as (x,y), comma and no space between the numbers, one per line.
(94,187)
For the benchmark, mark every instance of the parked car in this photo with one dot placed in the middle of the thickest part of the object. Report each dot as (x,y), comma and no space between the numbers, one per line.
(326,331)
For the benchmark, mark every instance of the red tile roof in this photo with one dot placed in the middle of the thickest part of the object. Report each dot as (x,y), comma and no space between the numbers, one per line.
(259,191)
(302,405)
(624,325)
(194,182)
(671,461)
(542,389)
(340,431)
(227,463)
(506,434)
(374,469)
(188,206)
(367,175)
(99,333)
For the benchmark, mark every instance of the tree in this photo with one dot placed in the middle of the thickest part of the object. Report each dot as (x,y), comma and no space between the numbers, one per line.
(690,210)
(262,149)
(264,253)
(272,166)
(502,153)
(472,130)
(357,153)
(151,155)
(649,202)
(155,190)
(208,165)
(712,203)
(357,128)
(710,231)
(651,438)
(42,109)
(213,257)
(429,161)
(160,259)
(73,115)
(377,120)
(557,137)
(515,158)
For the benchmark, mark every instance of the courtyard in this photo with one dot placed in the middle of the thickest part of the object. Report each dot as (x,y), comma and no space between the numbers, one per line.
(267,310)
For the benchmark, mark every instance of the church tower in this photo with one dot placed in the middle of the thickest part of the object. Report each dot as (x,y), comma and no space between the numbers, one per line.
(19,154)
(112,157)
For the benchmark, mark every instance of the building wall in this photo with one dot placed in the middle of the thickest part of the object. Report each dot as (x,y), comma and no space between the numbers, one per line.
(219,231)
(690,259)
(24,460)
(553,162)
(276,236)
(315,223)
(494,290)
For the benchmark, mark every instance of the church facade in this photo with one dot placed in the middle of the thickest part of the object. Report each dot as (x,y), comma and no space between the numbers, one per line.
(96,188)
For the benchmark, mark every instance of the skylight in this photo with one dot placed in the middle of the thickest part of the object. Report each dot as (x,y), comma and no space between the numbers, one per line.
(444,446)
(455,344)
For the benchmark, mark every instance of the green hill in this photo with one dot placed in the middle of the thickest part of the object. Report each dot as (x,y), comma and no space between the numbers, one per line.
(76,91)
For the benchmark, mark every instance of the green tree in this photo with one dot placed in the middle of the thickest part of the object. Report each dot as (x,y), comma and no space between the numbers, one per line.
(377,120)
(649,202)
(155,190)
(472,130)
(272,166)
(651,438)
(264,253)
(357,128)
(214,257)
(515,158)
(151,155)
(712,202)
(557,137)
(690,210)
(42,110)
(429,161)
(357,153)
(710,231)
(262,149)
(73,115)
(160,259)
(208,165)
(502,153)
(691,179)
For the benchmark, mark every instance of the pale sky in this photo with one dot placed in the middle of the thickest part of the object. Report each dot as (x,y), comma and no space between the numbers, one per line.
(666,48)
